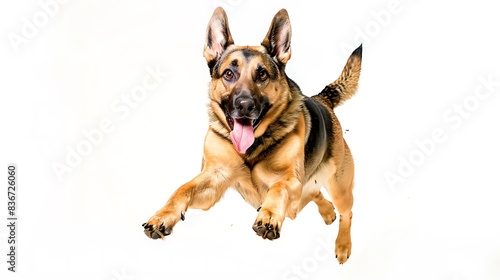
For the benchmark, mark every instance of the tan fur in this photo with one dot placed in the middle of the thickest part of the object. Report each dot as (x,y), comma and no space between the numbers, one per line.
(277,175)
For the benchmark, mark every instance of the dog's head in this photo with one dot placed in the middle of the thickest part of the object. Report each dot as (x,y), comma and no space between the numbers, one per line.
(249,88)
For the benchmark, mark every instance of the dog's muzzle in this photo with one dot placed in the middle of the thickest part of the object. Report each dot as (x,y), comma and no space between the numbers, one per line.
(243,114)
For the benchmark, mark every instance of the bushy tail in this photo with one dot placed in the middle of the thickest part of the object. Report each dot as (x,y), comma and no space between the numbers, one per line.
(346,85)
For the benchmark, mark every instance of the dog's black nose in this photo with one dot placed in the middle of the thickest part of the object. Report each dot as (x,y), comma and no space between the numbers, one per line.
(244,105)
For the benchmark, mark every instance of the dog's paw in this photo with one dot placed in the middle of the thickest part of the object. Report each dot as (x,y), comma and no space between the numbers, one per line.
(267,225)
(342,250)
(161,224)
(328,213)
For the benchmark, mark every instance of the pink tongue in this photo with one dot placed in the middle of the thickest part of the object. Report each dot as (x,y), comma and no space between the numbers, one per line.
(242,135)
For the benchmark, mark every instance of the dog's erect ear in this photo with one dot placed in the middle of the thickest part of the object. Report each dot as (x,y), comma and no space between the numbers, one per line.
(277,40)
(218,37)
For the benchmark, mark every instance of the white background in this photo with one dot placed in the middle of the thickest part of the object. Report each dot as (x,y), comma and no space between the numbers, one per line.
(421,61)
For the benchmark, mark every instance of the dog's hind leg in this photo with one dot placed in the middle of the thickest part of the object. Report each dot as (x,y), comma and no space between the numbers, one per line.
(325,207)
(343,201)
(340,189)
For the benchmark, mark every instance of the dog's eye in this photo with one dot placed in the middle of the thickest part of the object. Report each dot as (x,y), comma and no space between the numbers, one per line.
(228,75)
(262,75)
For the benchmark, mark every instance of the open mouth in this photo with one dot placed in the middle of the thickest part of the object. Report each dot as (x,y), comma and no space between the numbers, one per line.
(242,129)
(248,121)
(242,134)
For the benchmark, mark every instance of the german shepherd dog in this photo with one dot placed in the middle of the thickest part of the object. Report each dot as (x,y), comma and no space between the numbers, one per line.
(274,145)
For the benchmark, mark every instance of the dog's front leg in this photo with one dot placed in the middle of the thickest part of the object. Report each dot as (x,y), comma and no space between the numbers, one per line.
(202,192)
(281,201)
(283,173)
(221,168)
